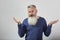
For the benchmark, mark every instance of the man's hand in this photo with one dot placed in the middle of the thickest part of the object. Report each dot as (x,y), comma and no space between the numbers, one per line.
(16,20)
(53,22)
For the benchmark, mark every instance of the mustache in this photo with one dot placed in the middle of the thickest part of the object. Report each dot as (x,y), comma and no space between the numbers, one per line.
(31,15)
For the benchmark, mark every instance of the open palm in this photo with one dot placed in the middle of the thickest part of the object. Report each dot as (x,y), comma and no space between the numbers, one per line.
(17,20)
(53,22)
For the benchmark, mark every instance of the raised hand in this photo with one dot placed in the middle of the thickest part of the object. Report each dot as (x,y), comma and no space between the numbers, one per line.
(53,22)
(17,20)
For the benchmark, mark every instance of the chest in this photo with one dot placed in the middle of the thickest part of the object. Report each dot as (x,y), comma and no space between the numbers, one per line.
(37,27)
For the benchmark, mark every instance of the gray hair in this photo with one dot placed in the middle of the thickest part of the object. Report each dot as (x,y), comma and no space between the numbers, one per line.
(31,6)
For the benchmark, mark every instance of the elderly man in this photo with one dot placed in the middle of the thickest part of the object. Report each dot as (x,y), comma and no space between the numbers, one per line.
(34,26)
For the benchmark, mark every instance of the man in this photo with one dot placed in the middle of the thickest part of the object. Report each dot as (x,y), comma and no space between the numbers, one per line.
(34,25)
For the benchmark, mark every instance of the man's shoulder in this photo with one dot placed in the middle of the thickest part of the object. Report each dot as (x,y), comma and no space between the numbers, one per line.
(25,19)
(41,17)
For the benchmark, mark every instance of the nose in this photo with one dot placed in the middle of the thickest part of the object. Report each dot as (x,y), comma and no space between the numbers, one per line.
(32,10)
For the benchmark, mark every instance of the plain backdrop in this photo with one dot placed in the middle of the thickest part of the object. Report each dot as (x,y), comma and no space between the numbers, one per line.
(49,9)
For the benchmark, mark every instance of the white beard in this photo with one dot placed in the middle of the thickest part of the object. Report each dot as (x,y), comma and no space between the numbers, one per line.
(32,20)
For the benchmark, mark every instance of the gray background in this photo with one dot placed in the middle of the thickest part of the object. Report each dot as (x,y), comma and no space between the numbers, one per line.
(49,9)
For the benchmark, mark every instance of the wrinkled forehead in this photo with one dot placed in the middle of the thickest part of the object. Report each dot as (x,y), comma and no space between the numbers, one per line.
(31,8)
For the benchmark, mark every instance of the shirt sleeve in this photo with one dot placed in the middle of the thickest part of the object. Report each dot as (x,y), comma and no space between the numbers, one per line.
(21,29)
(47,29)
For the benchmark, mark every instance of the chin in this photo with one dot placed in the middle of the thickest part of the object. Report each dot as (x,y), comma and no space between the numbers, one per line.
(32,20)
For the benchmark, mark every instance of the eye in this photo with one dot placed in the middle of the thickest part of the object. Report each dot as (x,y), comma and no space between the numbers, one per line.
(29,11)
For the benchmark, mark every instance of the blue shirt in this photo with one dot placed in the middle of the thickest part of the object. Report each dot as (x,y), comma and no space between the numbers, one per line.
(34,32)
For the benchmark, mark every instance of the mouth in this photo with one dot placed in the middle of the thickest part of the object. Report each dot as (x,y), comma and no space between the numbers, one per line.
(31,15)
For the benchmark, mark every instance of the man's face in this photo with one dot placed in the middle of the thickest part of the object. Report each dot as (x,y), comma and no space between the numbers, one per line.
(32,11)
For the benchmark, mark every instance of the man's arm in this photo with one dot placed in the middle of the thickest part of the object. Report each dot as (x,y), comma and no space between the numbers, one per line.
(21,30)
(47,29)
(21,27)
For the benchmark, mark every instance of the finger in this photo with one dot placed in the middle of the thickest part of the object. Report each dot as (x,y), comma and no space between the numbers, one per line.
(55,21)
(15,19)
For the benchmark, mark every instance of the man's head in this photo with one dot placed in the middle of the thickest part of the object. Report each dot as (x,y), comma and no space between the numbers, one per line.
(32,10)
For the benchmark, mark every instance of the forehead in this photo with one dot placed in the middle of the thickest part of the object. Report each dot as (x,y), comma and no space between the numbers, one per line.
(31,8)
